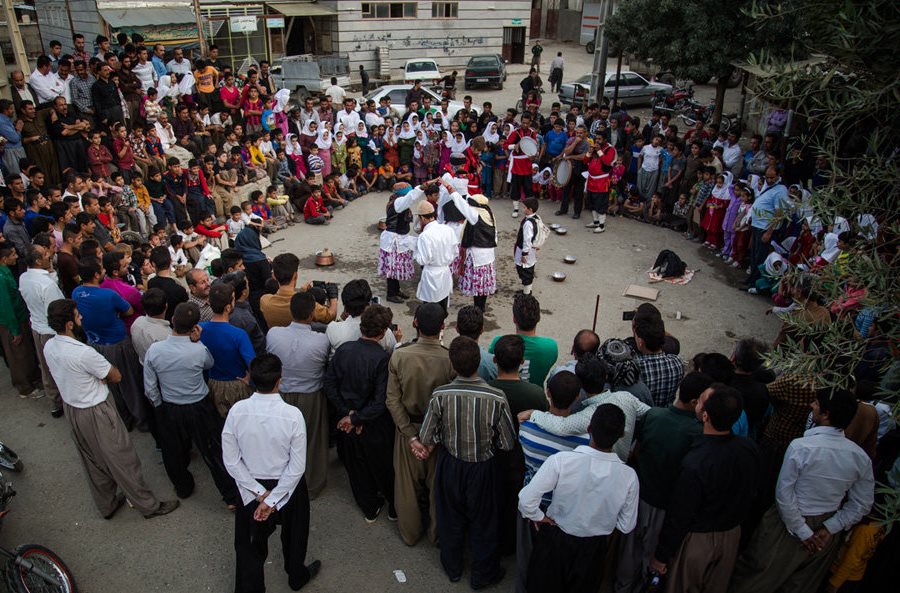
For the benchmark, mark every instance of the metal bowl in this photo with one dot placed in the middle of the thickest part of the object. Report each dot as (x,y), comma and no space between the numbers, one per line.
(570,259)
(555,226)
(558,276)
(561,230)
(324,258)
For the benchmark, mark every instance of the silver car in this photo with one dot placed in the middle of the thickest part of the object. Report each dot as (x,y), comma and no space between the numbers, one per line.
(397,94)
(634,89)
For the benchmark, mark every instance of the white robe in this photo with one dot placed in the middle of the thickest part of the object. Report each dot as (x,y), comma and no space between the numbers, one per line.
(435,251)
(392,242)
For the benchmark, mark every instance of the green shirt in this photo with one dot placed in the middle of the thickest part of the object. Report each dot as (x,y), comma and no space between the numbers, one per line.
(540,356)
(665,436)
(13,311)
(521,395)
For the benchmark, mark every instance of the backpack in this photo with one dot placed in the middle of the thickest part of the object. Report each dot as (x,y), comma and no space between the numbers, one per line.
(541,232)
(669,265)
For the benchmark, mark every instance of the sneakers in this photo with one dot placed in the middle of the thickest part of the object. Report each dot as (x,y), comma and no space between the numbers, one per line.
(592,225)
(752,290)
(392,513)
(515,214)
(37,393)
(57,412)
(395,298)
(372,518)
(599,228)
(735,264)
(728,260)
(165,507)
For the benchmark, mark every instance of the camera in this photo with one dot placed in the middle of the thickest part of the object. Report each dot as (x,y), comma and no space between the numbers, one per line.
(627,315)
(376,300)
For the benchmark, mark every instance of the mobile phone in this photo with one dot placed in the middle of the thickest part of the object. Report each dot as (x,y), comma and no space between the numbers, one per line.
(376,300)
(393,327)
(627,315)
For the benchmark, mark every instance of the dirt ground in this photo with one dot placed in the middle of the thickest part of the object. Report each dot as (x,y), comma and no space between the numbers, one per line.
(190,550)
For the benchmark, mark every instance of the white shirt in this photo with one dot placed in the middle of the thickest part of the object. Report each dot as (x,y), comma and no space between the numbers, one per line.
(339,332)
(731,155)
(392,242)
(481,256)
(166,135)
(78,371)
(594,492)
(350,121)
(435,251)
(146,73)
(651,158)
(265,439)
(178,257)
(579,423)
(67,90)
(337,94)
(184,67)
(527,247)
(46,86)
(146,331)
(819,470)
(39,289)
(373,119)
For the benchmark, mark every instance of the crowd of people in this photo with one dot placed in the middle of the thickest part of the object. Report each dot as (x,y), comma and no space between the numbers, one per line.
(135,294)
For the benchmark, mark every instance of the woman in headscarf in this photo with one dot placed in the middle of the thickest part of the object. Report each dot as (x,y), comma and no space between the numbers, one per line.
(281,99)
(420,169)
(376,145)
(339,151)
(256,264)
(309,135)
(324,143)
(391,152)
(362,140)
(294,151)
(458,143)
(406,141)
(716,205)
(771,272)
(490,133)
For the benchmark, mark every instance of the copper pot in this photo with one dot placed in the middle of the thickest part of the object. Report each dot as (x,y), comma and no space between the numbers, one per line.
(382,224)
(324,258)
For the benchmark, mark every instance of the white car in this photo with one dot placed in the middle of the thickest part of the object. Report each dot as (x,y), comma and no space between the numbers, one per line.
(421,69)
(397,94)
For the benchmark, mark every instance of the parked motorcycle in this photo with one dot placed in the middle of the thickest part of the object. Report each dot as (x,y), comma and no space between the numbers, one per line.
(694,111)
(31,568)
(675,101)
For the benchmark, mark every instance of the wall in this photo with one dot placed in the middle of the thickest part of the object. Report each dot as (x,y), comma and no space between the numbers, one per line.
(54,22)
(478,29)
(569,27)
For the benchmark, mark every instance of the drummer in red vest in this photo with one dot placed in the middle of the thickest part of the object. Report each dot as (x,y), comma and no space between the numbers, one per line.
(520,170)
(473,164)
(600,158)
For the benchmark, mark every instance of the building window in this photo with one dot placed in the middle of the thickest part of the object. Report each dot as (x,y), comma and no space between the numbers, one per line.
(444,10)
(389,10)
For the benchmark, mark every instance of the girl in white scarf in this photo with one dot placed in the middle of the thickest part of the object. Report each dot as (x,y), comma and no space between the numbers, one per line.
(490,133)
(324,144)
(406,132)
(458,143)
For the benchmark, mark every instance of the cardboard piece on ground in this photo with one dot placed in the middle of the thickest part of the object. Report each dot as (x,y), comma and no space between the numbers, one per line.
(641,292)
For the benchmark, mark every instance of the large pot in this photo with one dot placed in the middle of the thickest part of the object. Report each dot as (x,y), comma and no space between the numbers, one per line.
(324,258)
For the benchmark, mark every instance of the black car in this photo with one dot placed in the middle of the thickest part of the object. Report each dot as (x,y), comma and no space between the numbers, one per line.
(489,69)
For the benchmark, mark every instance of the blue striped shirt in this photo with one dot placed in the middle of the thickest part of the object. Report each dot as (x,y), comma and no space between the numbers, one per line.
(538,444)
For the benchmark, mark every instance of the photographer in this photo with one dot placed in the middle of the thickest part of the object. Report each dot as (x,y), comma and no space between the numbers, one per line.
(357,296)
(276,308)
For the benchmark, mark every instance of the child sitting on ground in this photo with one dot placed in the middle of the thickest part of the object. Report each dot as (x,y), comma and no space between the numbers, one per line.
(633,206)
(655,209)
(315,211)
(216,234)
(261,210)
(236,223)
(540,182)
(281,208)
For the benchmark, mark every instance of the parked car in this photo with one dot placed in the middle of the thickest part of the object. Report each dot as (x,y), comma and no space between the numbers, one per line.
(421,69)
(397,94)
(489,69)
(634,89)
(308,75)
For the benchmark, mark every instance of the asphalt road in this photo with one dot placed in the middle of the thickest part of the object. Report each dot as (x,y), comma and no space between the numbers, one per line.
(191,550)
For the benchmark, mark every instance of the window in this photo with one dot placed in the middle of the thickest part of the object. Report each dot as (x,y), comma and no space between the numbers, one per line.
(389,10)
(444,10)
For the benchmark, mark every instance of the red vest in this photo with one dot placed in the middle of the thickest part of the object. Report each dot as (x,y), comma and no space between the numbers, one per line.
(599,169)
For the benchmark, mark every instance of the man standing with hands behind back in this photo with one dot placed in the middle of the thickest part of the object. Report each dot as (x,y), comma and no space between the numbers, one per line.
(264,450)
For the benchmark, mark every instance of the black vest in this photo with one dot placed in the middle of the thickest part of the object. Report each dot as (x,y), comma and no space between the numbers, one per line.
(398,222)
(480,234)
(452,213)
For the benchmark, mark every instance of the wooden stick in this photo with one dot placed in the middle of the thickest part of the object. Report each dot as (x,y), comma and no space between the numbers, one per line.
(596,310)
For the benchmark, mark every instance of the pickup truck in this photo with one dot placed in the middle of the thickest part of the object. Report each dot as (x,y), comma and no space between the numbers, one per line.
(307,75)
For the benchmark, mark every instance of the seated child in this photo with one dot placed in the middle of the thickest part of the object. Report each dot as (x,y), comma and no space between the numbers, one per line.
(385,176)
(281,208)
(236,223)
(315,211)
(633,206)
(655,209)
(216,234)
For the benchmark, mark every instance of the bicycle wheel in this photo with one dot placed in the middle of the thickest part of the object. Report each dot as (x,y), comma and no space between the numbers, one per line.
(21,580)
(9,460)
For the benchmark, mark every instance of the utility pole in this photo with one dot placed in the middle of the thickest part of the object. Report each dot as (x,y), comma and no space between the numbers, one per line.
(615,100)
(200,36)
(601,52)
(15,37)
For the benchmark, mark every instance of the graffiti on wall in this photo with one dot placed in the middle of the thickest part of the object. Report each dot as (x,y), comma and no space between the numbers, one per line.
(449,45)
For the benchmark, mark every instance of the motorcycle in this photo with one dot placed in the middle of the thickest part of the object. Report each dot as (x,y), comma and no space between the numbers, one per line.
(694,111)
(674,101)
(31,568)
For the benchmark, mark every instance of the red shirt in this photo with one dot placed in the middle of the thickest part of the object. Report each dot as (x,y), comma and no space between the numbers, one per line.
(521,164)
(314,207)
(599,168)
(127,161)
(207,231)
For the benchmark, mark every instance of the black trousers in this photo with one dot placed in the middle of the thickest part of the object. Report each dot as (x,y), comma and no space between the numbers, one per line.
(481,302)
(599,201)
(180,425)
(526,275)
(251,541)
(518,185)
(574,192)
(393,287)
(759,250)
(467,499)
(563,563)
(369,461)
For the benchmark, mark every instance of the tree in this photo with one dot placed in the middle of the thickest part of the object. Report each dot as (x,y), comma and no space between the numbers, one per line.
(844,108)
(697,40)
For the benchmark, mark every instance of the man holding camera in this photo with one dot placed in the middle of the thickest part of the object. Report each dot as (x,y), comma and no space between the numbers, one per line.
(276,308)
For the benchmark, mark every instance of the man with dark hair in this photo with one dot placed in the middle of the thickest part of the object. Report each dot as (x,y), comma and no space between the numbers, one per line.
(538,444)
(356,386)
(471,420)
(109,458)
(15,333)
(470,323)
(356,296)
(264,450)
(540,352)
(242,316)
(231,350)
(718,481)
(175,293)
(304,354)
(520,163)
(153,326)
(414,371)
(14,231)
(573,534)
(174,383)
(748,364)
(276,308)
(509,355)
(664,438)
(825,487)
(661,372)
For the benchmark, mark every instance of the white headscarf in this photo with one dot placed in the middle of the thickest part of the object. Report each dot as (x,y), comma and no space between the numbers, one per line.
(164,88)
(186,86)
(406,131)
(868,226)
(289,145)
(422,138)
(390,137)
(490,133)
(773,259)
(413,124)
(457,145)
(831,251)
(724,192)
(322,142)
(361,131)
(339,141)
(281,100)
(308,132)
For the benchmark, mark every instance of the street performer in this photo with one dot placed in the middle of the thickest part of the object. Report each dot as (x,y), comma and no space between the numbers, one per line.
(435,250)
(478,278)
(520,169)
(599,158)
(395,254)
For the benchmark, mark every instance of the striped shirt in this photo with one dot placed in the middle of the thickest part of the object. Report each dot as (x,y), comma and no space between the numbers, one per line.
(470,419)
(538,444)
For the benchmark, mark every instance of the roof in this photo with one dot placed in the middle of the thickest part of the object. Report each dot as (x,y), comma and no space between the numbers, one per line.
(141,17)
(301,9)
